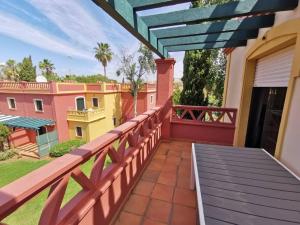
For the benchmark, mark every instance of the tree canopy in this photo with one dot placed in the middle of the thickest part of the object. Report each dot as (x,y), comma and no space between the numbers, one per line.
(87,78)
(27,70)
(47,68)
(134,69)
(4,133)
(204,72)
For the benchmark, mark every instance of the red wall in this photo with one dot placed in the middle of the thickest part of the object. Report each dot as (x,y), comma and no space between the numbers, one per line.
(209,133)
(25,105)
(55,108)
(143,103)
(21,136)
(63,103)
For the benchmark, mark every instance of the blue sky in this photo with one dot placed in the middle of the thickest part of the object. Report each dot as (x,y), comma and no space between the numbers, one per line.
(66,31)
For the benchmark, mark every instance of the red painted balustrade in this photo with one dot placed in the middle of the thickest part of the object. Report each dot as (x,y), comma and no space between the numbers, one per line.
(24,86)
(203,124)
(104,191)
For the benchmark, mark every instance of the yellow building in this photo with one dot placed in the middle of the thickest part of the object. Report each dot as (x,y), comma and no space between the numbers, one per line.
(99,109)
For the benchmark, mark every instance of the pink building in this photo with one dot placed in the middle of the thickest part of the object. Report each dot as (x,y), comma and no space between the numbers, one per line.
(56,101)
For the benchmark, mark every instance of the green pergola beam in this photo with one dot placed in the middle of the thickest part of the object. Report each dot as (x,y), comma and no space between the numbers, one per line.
(227,44)
(150,4)
(219,12)
(217,27)
(210,38)
(123,13)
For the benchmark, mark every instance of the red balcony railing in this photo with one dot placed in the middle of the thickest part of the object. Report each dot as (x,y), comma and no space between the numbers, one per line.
(24,86)
(104,191)
(204,124)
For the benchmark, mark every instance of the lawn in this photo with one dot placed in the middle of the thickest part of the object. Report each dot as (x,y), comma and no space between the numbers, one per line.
(29,213)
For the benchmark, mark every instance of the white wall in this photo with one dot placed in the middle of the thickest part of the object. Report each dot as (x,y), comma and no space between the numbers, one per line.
(291,145)
(238,60)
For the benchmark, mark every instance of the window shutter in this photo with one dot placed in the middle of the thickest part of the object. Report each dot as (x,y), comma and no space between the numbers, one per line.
(275,70)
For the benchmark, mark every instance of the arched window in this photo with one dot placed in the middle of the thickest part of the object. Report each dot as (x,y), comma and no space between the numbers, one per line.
(80,103)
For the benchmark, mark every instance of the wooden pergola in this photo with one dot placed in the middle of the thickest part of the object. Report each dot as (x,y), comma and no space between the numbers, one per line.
(216,26)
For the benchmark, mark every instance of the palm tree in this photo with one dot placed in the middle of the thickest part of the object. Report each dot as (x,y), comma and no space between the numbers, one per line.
(103,54)
(47,68)
(10,70)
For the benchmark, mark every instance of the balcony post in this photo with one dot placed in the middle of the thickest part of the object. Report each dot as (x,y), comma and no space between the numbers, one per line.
(53,88)
(165,77)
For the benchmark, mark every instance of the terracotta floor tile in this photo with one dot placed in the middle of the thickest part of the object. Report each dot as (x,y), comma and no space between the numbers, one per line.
(150,175)
(183,215)
(183,182)
(185,197)
(153,201)
(163,192)
(144,188)
(186,155)
(184,171)
(174,153)
(159,211)
(158,156)
(136,204)
(167,179)
(163,149)
(156,164)
(169,168)
(128,219)
(173,160)
(152,222)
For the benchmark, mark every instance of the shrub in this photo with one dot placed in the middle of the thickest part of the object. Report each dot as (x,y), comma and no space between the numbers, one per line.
(7,154)
(4,133)
(65,147)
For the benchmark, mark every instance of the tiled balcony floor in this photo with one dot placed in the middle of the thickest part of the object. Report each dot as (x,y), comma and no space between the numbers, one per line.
(162,195)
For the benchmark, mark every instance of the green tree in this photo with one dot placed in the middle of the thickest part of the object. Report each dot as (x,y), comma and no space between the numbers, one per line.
(4,133)
(88,78)
(195,68)
(103,54)
(27,70)
(47,68)
(204,71)
(10,70)
(134,70)
(176,94)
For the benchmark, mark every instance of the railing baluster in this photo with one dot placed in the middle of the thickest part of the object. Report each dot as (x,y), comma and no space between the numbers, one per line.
(207,115)
(101,184)
(53,203)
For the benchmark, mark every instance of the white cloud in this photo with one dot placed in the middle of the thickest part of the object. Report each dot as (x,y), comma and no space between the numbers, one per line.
(16,28)
(75,21)
(85,30)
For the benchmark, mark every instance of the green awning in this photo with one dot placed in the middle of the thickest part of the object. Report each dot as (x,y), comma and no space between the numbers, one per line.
(25,122)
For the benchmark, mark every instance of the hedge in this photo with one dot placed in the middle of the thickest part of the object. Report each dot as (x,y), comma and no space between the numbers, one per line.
(65,147)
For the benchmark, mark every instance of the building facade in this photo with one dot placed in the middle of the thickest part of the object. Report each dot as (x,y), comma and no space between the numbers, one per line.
(263,82)
(80,111)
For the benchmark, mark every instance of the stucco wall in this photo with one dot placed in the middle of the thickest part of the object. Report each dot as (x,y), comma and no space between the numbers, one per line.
(290,149)
(25,105)
(290,153)
(143,104)
(21,136)
(237,63)
(72,130)
(63,103)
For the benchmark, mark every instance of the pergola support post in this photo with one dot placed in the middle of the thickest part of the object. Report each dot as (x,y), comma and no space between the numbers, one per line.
(165,77)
